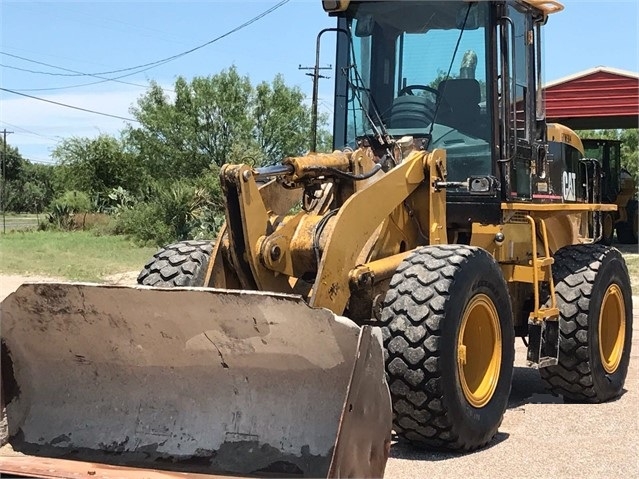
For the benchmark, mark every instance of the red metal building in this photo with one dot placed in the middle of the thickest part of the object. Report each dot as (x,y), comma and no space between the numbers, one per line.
(601,97)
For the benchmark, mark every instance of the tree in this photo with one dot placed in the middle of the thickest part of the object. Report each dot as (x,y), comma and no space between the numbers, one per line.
(28,187)
(95,166)
(216,120)
(12,161)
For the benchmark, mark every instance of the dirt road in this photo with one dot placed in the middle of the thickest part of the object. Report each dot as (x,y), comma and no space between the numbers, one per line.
(541,437)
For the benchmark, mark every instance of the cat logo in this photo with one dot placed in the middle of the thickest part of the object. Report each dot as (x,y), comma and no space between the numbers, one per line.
(568,185)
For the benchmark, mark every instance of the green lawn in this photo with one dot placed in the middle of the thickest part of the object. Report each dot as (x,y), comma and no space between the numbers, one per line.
(77,255)
(632,260)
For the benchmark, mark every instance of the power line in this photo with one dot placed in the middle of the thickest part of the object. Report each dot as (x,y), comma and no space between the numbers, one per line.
(69,106)
(104,79)
(150,65)
(29,131)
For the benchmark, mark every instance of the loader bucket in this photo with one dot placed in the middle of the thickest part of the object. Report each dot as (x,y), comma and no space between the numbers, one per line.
(194,380)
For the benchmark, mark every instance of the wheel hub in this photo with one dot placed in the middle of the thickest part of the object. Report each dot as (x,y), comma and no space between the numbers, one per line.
(479,348)
(612,328)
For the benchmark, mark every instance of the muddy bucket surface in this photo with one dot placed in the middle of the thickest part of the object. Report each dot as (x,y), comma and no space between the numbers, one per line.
(192,379)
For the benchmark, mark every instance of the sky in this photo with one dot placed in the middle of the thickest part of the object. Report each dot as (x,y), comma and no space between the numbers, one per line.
(79,37)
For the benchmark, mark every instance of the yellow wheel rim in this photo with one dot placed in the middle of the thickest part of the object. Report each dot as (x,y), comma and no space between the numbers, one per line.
(612,328)
(479,351)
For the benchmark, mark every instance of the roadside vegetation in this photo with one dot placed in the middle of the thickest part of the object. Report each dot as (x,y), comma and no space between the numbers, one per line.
(157,181)
(77,255)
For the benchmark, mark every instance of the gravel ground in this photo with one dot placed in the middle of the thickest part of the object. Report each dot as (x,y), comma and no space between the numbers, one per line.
(541,437)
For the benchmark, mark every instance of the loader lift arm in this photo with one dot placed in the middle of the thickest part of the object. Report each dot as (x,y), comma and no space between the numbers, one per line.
(262,244)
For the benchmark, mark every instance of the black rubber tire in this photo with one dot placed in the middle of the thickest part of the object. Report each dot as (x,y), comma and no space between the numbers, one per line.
(421,320)
(607,228)
(582,275)
(179,264)
(627,230)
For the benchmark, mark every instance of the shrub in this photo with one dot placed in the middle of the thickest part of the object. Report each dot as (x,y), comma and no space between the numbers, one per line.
(145,224)
(75,201)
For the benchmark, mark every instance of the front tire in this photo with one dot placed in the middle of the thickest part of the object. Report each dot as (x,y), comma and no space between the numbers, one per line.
(449,340)
(593,293)
(627,230)
(180,264)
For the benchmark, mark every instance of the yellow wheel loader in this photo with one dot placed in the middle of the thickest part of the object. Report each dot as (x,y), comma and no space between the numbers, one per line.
(438,231)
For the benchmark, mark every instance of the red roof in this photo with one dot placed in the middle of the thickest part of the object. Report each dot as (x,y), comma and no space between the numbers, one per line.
(597,98)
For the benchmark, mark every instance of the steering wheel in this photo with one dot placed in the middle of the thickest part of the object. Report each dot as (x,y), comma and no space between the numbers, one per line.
(409,90)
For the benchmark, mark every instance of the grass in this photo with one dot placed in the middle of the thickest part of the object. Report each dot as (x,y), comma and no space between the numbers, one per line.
(83,256)
(632,260)
(77,255)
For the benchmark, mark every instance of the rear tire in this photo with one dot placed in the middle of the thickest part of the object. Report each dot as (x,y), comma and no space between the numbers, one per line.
(627,230)
(595,305)
(179,264)
(607,228)
(449,341)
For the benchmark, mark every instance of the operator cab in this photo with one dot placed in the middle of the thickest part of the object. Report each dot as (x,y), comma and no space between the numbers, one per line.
(456,75)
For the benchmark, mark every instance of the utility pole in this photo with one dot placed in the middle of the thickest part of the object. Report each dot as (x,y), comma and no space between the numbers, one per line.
(4,178)
(316,76)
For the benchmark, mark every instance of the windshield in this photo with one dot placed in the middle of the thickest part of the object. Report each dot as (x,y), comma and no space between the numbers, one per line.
(420,67)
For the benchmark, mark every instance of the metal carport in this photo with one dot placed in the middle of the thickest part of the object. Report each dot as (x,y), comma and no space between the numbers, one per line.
(598,98)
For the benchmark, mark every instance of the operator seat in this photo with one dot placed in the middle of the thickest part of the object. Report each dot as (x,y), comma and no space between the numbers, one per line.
(411,111)
(459,107)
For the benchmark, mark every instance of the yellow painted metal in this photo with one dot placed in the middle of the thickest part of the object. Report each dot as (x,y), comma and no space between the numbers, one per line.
(276,249)
(315,164)
(540,313)
(479,347)
(562,134)
(564,230)
(612,328)
(257,217)
(356,221)
(519,273)
(437,198)
(515,246)
(335,5)
(380,269)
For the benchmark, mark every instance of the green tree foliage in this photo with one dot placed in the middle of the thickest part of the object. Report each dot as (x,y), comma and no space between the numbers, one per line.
(216,120)
(96,165)
(12,161)
(629,146)
(28,187)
